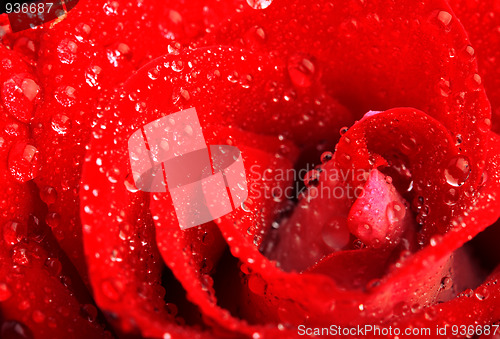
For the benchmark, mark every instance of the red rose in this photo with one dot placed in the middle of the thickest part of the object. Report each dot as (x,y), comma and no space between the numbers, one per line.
(394,229)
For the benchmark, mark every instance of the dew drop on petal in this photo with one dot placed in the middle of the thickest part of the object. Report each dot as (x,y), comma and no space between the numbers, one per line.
(256,284)
(444,87)
(60,123)
(23,161)
(301,71)
(457,171)
(53,266)
(112,289)
(259,4)
(92,75)
(90,312)
(255,37)
(326,156)
(444,17)
(5,292)
(66,51)
(335,233)
(65,95)
(395,212)
(18,94)
(13,233)
(48,195)
(130,183)
(451,197)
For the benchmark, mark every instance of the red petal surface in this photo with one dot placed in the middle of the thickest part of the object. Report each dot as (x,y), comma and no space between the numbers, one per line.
(80,61)
(481,20)
(382,55)
(40,294)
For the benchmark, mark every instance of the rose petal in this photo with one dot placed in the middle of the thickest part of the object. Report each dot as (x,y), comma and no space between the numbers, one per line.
(481,20)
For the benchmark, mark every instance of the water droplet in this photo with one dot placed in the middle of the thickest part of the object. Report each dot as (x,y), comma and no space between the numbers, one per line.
(312,178)
(444,87)
(4,292)
(91,76)
(18,94)
(451,197)
(66,51)
(172,309)
(335,233)
(53,266)
(482,293)
(395,212)
(60,124)
(65,95)
(89,311)
(112,289)
(111,8)
(130,183)
(153,74)
(301,71)
(484,125)
(255,37)
(259,4)
(48,195)
(256,284)
(13,233)
(38,316)
(177,66)
(343,130)
(82,31)
(326,156)
(457,171)
(23,161)
(20,255)
(435,240)
(53,219)
(470,51)
(474,82)
(409,144)
(444,17)
(125,231)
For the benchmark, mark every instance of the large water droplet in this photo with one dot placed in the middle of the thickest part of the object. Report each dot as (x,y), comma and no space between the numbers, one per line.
(255,37)
(112,289)
(301,71)
(335,233)
(92,75)
(457,171)
(4,292)
(256,284)
(451,197)
(53,266)
(444,87)
(48,195)
(444,17)
(60,124)
(65,95)
(13,233)
(18,94)
(66,51)
(23,162)
(395,212)
(111,8)
(90,312)
(259,4)
(326,156)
